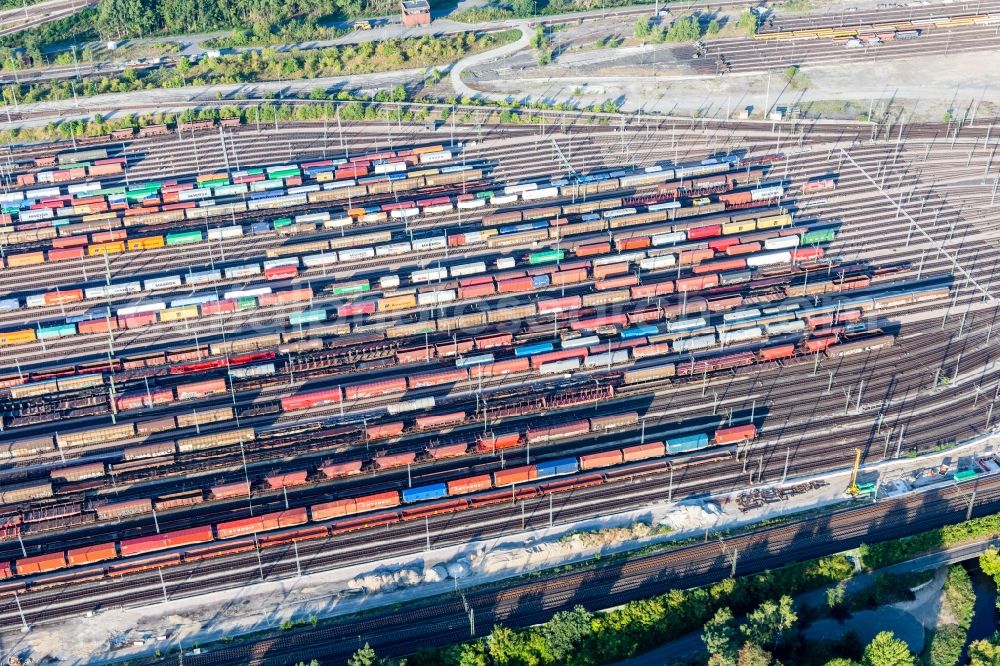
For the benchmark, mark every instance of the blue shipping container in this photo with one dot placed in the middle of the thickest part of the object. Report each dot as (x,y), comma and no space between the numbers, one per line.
(557,467)
(638,331)
(260,228)
(424,493)
(539,281)
(685,444)
(537,348)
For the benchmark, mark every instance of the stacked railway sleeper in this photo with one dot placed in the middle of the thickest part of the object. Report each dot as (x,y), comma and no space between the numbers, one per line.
(501,341)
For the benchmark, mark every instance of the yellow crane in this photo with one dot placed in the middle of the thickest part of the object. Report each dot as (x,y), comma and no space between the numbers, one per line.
(853,489)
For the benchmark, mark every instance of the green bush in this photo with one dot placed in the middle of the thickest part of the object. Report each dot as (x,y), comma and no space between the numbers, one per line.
(878,555)
(684,30)
(748,22)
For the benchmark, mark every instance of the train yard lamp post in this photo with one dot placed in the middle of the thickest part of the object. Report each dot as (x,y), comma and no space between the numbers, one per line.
(298,565)
(24,625)
(788,454)
(163,584)
(21,543)
(427,532)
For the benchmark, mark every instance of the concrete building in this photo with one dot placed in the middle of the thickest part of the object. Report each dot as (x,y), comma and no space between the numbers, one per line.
(416,12)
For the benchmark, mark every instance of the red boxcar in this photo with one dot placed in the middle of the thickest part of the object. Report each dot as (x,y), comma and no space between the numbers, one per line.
(437,378)
(281,272)
(66,254)
(651,290)
(602,271)
(383,430)
(312,399)
(476,291)
(602,459)
(539,359)
(448,451)
(743,248)
(617,282)
(377,501)
(774,353)
(515,285)
(722,244)
(645,351)
(551,305)
(511,475)
(735,434)
(347,468)
(688,257)
(201,389)
(262,523)
(592,249)
(719,266)
(37,564)
(634,243)
(564,277)
(494,341)
(279,481)
(495,442)
(375,389)
(643,451)
(185,537)
(438,420)
(90,554)
(469,484)
(510,366)
(697,233)
(597,322)
(391,460)
(355,309)
(698,282)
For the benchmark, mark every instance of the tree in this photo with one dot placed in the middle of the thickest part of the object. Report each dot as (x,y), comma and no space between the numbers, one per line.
(985,653)
(684,30)
(841,661)
(642,28)
(714,27)
(748,22)
(566,630)
(989,562)
(766,624)
(365,656)
(312,662)
(719,637)
(122,18)
(753,655)
(523,8)
(887,650)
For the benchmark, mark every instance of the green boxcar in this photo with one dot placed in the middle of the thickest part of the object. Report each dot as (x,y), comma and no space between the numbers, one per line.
(106,191)
(246,303)
(282,222)
(866,488)
(965,474)
(214,183)
(484,195)
(546,257)
(819,236)
(286,173)
(354,288)
(306,317)
(60,331)
(75,165)
(184,237)
(155,185)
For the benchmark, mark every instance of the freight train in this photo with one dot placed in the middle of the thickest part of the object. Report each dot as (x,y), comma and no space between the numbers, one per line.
(472,491)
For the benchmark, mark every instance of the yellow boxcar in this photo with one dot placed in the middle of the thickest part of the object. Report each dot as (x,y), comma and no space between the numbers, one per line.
(740,227)
(183,312)
(99,217)
(147,243)
(394,303)
(106,248)
(17,337)
(773,221)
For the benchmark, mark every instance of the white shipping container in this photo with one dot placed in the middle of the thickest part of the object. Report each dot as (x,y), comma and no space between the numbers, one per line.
(42,193)
(742,335)
(337,184)
(253,371)
(436,297)
(77,188)
(556,367)
(694,343)
(782,327)
(284,261)
(438,208)
(203,277)
(742,315)
(781,243)
(194,300)
(303,189)
(764,193)
(468,269)
(686,324)
(380,216)
(36,215)
(402,213)
(432,158)
(431,243)
(618,212)
(392,249)
(618,258)
(602,360)
(138,309)
(388,281)
(769,259)
(543,193)
(167,282)
(518,189)
(429,275)
(322,259)
(247,293)
(389,167)
(504,263)
(356,253)
(670,238)
(410,405)
(195,194)
(503,200)
(584,341)
(231,190)
(654,263)
(337,222)
(219,233)
(312,217)
(11,197)
(472,203)
(35,301)
(247,270)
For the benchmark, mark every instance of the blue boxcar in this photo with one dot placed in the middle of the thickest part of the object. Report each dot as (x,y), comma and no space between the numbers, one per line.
(685,444)
(639,331)
(424,493)
(539,281)
(557,467)
(537,348)
(260,228)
